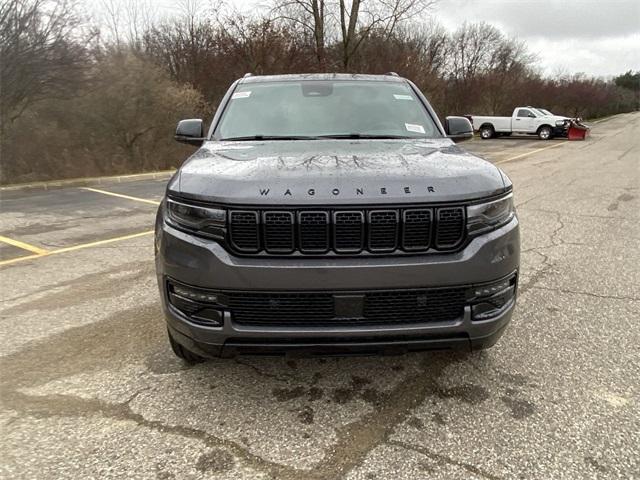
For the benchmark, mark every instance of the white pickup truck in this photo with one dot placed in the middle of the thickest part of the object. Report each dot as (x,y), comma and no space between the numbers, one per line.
(524,120)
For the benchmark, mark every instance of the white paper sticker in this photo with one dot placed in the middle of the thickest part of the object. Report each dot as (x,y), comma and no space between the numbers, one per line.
(402,97)
(414,128)
(240,95)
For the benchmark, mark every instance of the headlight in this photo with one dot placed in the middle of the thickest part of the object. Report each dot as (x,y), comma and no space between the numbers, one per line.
(490,215)
(195,217)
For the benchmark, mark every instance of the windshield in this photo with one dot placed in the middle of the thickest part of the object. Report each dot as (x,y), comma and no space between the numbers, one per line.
(544,112)
(311,109)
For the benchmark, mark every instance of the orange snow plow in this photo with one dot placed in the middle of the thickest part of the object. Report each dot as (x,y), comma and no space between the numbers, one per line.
(577,130)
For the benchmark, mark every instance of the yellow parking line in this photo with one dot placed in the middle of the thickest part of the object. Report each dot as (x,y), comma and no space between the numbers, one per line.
(128,197)
(46,253)
(526,154)
(20,259)
(22,245)
(100,242)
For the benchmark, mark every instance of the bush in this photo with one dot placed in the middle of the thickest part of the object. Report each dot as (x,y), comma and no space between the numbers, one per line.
(121,122)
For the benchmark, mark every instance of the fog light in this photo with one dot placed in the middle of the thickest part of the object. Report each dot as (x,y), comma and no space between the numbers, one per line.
(195,295)
(492,299)
(199,306)
(489,290)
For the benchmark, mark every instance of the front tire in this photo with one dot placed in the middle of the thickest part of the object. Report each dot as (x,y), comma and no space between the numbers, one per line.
(184,354)
(544,133)
(486,132)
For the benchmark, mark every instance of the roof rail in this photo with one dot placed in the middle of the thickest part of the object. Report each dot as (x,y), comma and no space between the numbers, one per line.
(249,74)
(393,74)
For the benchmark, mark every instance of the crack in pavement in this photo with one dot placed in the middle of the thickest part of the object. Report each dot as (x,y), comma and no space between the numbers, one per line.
(52,406)
(282,378)
(556,231)
(538,275)
(589,294)
(470,468)
(561,243)
(355,440)
(546,264)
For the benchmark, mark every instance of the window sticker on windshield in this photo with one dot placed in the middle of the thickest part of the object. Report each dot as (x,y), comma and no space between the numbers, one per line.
(240,95)
(402,97)
(411,127)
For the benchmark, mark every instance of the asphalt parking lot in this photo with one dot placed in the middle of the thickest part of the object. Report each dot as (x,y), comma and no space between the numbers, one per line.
(90,388)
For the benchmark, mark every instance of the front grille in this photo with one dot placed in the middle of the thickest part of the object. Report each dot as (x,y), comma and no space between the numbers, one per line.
(346,231)
(316,309)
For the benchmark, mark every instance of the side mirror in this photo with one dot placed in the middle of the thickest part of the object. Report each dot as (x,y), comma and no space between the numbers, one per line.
(458,129)
(190,131)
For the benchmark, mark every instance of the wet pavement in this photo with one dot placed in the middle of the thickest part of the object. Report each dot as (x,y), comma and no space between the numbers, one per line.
(90,388)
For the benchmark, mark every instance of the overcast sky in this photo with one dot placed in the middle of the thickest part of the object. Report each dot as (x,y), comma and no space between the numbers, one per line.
(597,37)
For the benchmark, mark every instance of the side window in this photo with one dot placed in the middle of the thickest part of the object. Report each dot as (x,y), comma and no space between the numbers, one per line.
(524,113)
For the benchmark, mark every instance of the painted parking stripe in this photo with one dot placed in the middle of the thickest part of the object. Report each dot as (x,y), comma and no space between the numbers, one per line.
(24,246)
(75,247)
(100,242)
(526,154)
(120,195)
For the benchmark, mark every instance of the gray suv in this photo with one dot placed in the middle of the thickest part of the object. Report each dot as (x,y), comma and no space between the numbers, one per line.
(333,214)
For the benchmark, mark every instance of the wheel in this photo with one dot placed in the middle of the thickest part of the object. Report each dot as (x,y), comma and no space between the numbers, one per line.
(184,354)
(544,133)
(486,132)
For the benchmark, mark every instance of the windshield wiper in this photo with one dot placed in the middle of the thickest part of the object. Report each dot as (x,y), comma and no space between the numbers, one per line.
(365,135)
(307,137)
(267,137)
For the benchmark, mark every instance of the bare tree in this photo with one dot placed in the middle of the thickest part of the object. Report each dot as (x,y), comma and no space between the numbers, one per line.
(473,48)
(126,21)
(311,16)
(40,53)
(350,23)
(359,20)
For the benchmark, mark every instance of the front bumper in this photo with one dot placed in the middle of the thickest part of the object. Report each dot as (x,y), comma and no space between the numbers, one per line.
(205,264)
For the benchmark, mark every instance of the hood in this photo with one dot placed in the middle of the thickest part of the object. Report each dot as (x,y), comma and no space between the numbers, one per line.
(556,118)
(307,172)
